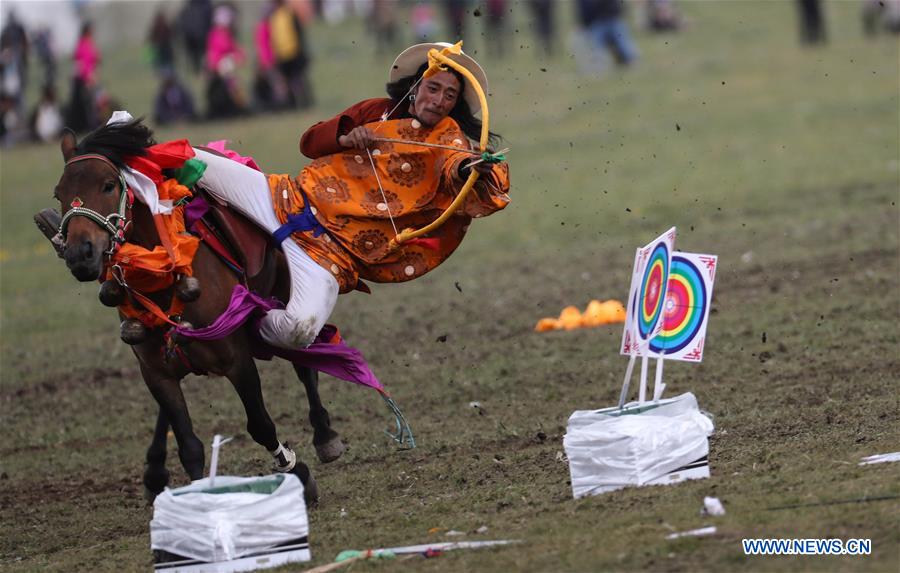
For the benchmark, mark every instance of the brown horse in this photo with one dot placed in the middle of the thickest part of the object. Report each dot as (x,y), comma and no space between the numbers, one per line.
(92,181)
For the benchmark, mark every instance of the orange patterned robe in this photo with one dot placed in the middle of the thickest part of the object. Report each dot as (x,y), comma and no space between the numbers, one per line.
(419,184)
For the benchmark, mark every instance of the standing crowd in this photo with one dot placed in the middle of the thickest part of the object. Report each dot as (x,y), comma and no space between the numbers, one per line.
(206,34)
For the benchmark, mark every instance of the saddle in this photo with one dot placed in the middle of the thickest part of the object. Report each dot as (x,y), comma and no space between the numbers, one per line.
(247,242)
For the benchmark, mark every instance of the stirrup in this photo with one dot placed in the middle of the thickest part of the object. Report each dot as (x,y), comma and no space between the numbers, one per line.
(48,222)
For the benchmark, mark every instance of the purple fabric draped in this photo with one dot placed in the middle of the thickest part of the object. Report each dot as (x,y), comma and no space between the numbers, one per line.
(333,358)
(194,211)
(243,304)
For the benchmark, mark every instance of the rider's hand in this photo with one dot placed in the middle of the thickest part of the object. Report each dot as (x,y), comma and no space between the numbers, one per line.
(358,138)
(483,168)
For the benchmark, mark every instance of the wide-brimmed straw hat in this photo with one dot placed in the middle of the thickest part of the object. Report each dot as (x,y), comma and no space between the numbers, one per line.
(412,58)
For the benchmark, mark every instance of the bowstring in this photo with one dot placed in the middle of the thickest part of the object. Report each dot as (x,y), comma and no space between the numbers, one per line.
(384,118)
(383,196)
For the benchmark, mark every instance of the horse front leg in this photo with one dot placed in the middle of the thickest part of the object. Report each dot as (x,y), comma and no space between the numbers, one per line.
(328,444)
(156,476)
(167,392)
(245,379)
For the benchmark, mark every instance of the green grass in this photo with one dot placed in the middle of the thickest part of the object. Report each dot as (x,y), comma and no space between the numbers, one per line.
(785,162)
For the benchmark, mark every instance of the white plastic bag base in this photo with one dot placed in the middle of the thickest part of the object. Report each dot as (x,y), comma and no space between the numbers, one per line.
(262,561)
(655,443)
(700,470)
(239,518)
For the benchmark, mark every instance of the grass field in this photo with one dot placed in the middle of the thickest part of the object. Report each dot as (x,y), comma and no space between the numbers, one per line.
(782,160)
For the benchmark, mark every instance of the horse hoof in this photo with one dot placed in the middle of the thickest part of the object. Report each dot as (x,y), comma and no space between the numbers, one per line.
(187,289)
(111,293)
(311,493)
(132,331)
(330,450)
(150,496)
(48,222)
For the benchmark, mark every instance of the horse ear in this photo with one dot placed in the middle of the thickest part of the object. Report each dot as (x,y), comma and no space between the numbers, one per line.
(68,143)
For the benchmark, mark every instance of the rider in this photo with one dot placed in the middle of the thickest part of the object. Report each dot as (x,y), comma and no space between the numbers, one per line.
(380,167)
(351,202)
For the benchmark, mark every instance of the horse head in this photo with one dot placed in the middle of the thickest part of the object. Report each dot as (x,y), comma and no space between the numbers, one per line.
(88,186)
(94,199)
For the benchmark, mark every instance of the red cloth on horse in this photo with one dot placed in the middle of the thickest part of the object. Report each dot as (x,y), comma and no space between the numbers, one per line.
(168,155)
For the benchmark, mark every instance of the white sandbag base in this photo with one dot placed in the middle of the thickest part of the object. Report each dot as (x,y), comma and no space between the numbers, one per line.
(653,443)
(276,557)
(240,524)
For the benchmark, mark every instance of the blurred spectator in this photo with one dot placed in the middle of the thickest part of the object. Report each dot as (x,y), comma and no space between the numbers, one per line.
(46,121)
(174,102)
(384,25)
(11,81)
(221,43)
(880,15)
(14,42)
(80,114)
(223,55)
(495,33)
(812,22)
(9,120)
(43,49)
(455,12)
(291,54)
(605,28)
(160,39)
(423,21)
(543,21)
(662,16)
(270,91)
(195,23)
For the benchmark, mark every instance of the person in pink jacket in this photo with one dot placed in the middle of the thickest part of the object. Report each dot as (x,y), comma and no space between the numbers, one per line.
(86,56)
(81,115)
(220,44)
(223,55)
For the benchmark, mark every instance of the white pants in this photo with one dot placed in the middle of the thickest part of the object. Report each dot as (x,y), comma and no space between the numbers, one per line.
(314,290)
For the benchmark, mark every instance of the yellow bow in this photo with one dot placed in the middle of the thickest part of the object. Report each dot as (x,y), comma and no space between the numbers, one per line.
(439,61)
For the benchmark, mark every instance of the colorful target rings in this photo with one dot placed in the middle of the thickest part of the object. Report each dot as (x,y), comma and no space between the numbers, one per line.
(685,306)
(650,298)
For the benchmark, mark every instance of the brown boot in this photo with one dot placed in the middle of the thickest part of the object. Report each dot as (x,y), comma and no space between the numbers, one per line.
(48,221)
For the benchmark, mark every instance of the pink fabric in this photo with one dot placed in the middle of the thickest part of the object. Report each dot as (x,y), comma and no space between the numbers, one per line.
(232,155)
(262,38)
(328,353)
(86,58)
(220,44)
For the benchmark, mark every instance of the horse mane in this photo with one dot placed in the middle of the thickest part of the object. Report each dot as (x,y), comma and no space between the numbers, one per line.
(118,141)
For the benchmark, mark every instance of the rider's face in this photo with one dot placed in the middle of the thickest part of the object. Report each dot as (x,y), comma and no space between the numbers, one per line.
(435,98)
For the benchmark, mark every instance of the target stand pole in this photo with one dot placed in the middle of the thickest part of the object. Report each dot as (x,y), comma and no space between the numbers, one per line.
(217,443)
(658,386)
(642,393)
(627,382)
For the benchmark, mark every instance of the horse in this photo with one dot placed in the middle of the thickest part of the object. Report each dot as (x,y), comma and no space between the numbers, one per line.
(92,181)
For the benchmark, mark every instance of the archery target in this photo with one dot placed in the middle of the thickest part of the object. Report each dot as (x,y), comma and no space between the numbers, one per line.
(647,295)
(653,290)
(686,312)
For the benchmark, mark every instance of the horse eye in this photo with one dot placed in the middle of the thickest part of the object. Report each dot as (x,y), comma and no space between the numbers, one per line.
(109,187)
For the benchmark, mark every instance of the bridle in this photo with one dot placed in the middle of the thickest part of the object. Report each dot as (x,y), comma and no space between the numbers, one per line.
(116,224)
